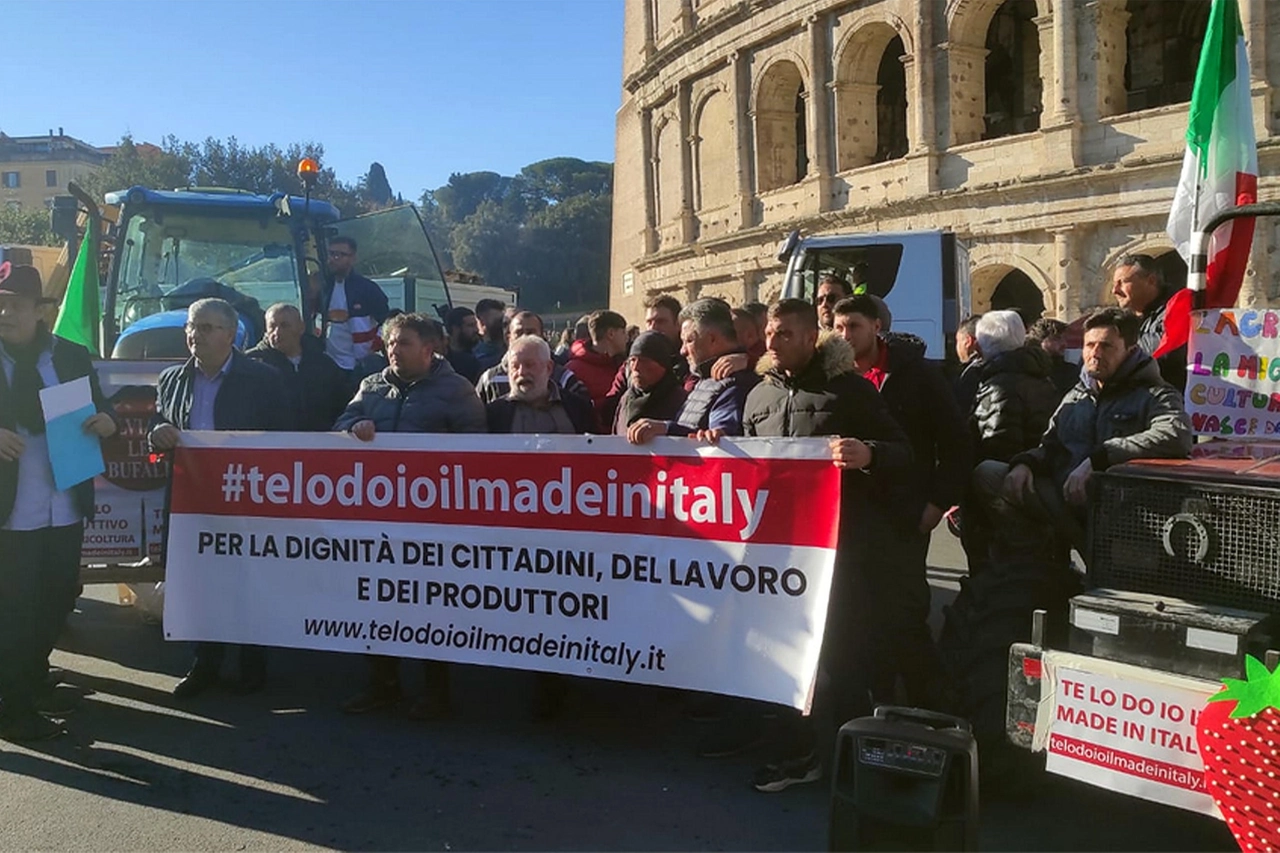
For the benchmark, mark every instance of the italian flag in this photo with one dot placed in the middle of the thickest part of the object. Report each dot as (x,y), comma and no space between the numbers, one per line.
(1219,170)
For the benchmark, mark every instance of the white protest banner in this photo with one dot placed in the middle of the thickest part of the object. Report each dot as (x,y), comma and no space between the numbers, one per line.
(676,563)
(1126,728)
(1233,373)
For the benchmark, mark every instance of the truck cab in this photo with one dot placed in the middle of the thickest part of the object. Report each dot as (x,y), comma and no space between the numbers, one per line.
(923,276)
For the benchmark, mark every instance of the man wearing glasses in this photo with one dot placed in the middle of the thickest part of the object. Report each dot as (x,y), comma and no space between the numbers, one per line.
(830,291)
(355,309)
(218,388)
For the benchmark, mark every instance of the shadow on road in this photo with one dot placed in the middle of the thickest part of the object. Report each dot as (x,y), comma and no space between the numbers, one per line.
(285,768)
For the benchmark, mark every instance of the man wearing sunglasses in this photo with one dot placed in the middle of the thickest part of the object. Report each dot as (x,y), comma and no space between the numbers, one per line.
(355,309)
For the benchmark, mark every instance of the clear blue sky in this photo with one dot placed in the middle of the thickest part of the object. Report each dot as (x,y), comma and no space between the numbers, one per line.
(425,87)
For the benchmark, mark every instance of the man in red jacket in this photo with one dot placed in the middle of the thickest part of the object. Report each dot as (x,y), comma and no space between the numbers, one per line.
(596,362)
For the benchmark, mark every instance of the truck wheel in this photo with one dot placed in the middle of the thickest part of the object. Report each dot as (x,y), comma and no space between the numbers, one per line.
(991,613)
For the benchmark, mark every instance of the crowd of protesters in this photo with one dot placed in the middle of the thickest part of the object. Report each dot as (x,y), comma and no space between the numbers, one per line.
(1004,448)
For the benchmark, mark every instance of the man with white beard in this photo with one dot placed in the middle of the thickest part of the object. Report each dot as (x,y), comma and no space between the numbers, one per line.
(535,404)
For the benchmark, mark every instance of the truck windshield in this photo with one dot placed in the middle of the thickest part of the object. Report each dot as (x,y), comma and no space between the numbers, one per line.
(167,256)
(868,269)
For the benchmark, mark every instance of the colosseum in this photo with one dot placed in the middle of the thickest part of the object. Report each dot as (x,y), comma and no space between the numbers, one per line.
(1048,135)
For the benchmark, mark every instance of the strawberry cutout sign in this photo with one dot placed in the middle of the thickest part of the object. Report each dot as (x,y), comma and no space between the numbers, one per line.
(1239,737)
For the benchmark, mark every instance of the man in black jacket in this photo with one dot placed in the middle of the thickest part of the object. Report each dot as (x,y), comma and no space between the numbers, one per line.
(318,388)
(417,392)
(915,500)
(1015,396)
(534,402)
(218,388)
(1120,410)
(1139,286)
(495,382)
(41,526)
(811,389)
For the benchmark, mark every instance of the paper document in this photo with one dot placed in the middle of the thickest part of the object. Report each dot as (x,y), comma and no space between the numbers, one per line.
(75,455)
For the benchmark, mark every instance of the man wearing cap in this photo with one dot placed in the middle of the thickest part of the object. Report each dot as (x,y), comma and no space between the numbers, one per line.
(653,389)
(41,526)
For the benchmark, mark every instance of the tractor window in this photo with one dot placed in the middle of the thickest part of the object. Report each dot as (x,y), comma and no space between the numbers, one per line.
(170,259)
(868,269)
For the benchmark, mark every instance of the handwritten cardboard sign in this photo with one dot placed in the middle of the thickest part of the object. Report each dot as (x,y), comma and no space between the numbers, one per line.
(1233,373)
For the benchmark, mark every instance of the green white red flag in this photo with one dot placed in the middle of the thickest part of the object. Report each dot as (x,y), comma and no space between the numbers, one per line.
(1219,170)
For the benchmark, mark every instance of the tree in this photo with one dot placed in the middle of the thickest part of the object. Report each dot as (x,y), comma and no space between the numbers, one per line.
(376,186)
(487,242)
(133,165)
(565,254)
(221,163)
(467,191)
(26,227)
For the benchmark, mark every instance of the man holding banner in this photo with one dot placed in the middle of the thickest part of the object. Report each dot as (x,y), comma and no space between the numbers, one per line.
(810,389)
(419,391)
(218,388)
(41,525)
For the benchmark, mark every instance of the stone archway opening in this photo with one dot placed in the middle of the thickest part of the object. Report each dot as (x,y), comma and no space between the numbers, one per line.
(871,98)
(782,156)
(891,103)
(1014,90)
(1162,44)
(1015,291)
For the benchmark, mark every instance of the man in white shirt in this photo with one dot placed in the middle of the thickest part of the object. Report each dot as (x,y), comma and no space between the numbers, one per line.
(354,310)
(41,526)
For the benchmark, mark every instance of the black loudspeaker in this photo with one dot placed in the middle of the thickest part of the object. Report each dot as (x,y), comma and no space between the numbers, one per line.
(905,779)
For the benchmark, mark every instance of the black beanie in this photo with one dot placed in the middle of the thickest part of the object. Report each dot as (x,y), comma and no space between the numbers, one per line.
(656,346)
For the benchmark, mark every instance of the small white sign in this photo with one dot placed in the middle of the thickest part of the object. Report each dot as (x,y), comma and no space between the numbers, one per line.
(1092,620)
(1213,641)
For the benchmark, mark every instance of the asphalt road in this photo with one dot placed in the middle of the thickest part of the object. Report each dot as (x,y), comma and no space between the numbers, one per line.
(285,769)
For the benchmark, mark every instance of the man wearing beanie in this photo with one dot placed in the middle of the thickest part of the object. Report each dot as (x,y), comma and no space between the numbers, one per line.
(653,389)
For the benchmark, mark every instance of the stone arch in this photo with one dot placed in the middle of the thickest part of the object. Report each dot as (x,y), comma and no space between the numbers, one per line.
(995,65)
(871,95)
(991,274)
(780,125)
(969,20)
(714,149)
(1162,42)
(668,180)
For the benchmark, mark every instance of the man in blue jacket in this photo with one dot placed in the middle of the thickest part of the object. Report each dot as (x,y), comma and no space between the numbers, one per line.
(218,388)
(353,309)
(41,526)
(706,333)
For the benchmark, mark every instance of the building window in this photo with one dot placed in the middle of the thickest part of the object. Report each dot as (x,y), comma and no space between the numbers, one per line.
(1161,43)
(891,104)
(1013,71)
(51,177)
(11,180)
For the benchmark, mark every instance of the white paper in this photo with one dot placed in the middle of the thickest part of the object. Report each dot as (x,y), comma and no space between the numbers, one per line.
(59,400)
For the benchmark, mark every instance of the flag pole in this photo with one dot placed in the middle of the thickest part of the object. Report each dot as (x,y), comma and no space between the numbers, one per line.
(1198,259)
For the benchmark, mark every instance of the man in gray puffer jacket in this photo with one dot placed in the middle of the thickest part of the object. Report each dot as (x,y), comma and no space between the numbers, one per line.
(1119,411)
(419,391)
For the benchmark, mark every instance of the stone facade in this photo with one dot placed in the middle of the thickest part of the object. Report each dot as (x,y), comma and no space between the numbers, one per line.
(1047,134)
